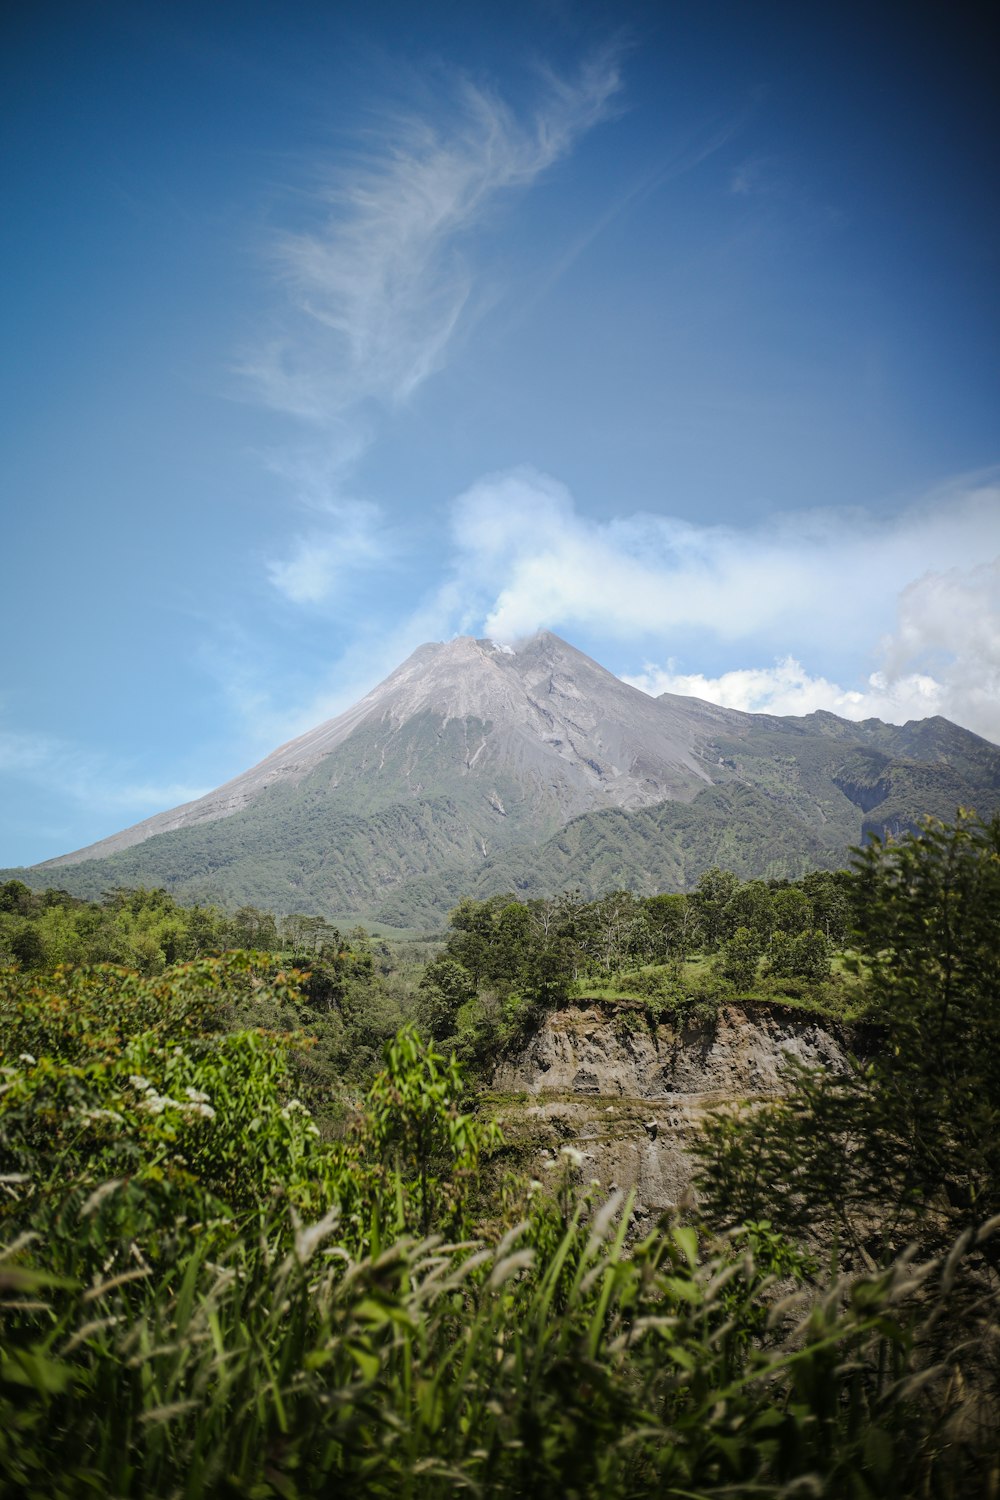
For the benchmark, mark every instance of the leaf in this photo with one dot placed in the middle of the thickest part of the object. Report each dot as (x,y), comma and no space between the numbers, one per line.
(367,1362)
(25,1367)
(686,1240)
(880,1451)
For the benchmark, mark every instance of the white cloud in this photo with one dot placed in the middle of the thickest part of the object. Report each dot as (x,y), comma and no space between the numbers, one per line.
(901,607)
(943,657)
(949,623)
(354,539)
(787,688)
(377,287)
(536,562)
(904,601)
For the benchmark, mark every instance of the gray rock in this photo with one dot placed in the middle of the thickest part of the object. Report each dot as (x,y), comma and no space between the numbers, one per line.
(662,1081)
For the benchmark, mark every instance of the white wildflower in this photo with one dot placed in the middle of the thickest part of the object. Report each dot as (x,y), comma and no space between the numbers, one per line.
(572,1155)
(95,1116)
(26,1057)
(196,1096)
(307,1239)
(138,1082)
(98,1196)
(198,1109)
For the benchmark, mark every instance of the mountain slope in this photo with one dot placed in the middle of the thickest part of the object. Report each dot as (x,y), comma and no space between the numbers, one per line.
(562,732)
(475,768)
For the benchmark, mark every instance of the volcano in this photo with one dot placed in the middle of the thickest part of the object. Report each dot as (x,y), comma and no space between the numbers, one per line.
(476,767)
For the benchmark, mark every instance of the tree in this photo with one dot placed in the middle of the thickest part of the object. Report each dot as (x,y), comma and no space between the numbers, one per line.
(739,957)
(445,987)
(549,970)
(804,956)
(616,930)
(714,890)
(15,897)
(811,956)
(253,929)
(749,906)
(26,944)
(792,910)
(673,924)
(415,1121)
(908,1143)
(930,930)
(473,935)
(829,893)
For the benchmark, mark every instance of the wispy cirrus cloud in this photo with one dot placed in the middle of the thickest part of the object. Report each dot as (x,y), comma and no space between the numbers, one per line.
(378,284)
(347,539)
(319,561)
(342,538)
(376,287)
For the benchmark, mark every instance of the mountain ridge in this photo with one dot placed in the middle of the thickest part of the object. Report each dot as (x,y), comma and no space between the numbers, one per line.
(474,766)
(465,679)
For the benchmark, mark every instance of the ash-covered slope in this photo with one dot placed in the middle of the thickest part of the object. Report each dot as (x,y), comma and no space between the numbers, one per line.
(547,717)
(473,768)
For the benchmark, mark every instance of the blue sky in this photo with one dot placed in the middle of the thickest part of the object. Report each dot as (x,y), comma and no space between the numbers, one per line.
(331,329)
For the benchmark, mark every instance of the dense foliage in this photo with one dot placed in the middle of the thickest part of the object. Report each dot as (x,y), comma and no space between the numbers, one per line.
(906,1143)
(506,961)
(355,994)
(144,929)
(234,1266)
(501,965)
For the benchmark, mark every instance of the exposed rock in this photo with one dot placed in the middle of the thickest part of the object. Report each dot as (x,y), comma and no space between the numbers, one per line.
(631,1097)
(581,1050)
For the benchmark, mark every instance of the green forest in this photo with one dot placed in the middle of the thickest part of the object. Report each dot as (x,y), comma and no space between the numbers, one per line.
(265,1232)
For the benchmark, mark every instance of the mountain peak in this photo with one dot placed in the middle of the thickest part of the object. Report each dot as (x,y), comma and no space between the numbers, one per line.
(540,716)
(475,756)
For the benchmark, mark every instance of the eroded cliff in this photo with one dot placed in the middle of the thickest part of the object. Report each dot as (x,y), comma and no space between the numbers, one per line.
(626,1097)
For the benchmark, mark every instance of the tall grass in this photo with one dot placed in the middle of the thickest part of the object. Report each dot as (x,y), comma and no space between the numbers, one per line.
(428,1368)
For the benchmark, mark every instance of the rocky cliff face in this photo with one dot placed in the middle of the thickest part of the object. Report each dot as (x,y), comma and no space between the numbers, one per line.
(629,1098)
